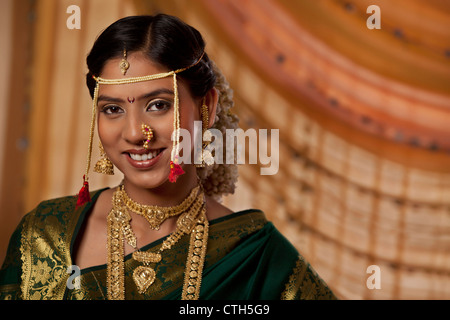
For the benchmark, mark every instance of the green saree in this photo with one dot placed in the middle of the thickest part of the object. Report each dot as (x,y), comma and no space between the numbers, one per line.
(247,258)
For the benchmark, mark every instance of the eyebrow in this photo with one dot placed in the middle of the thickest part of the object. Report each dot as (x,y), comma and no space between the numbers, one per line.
(141,97)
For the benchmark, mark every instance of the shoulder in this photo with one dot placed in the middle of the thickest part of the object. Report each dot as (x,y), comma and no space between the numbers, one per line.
(62,205)
(277,245)
(304,283)
(251,228)
(295,276)
(54,216)
(45,248)
(55,206)
(215,210)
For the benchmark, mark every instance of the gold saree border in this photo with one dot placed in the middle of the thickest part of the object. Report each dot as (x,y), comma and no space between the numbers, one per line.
(305,284)
(49,240)
(295,280)
(25,256)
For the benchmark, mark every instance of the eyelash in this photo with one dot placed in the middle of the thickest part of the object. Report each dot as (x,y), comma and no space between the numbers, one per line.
(107,109)
(165,106)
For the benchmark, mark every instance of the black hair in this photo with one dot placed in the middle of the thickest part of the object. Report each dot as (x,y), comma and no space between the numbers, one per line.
(164,39)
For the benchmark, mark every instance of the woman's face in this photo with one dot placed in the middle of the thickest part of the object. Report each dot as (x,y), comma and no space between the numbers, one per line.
(122,109)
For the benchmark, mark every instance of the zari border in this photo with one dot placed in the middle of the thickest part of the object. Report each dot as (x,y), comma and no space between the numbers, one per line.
(196,259)
(115,279)
(295,281)
(25,256)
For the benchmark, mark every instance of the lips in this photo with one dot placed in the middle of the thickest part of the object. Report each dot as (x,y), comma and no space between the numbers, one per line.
(143,159)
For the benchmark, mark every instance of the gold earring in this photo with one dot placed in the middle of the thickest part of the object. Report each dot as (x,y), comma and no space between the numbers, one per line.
(104,165)
(205,119)
(206,156)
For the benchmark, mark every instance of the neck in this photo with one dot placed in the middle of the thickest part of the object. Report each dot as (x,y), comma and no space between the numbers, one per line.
(166,194)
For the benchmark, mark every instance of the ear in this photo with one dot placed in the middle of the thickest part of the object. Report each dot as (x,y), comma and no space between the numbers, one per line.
(211,100)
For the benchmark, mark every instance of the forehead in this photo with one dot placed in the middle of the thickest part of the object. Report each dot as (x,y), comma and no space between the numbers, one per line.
(139,66)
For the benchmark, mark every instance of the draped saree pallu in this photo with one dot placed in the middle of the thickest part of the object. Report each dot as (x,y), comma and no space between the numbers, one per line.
(246,258)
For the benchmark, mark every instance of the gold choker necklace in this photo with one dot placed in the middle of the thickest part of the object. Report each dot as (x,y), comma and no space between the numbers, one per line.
(192,219)
(156,215)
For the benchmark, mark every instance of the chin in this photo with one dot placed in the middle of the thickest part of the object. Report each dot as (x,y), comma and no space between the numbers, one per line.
(147,180)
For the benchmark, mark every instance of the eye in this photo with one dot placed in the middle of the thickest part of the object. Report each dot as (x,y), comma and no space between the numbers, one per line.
(158,105)
(111,109)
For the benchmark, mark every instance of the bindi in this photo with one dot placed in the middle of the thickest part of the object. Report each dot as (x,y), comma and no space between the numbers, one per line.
(130,100)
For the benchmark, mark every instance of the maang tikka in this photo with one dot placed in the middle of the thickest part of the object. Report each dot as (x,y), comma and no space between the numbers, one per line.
(175,169)
(124,64)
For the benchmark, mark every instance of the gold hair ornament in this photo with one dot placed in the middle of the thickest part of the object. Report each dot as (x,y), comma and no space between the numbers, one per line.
(205,156)
(124,64)
(175,168)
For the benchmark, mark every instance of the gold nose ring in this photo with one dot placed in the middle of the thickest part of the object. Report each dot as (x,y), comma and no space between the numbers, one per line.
(148,133)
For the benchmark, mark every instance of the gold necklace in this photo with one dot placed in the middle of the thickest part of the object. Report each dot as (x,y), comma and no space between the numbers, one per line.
(156,215)
(192,220)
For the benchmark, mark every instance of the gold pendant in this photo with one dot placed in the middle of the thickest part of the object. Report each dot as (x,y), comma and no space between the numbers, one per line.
(143,277)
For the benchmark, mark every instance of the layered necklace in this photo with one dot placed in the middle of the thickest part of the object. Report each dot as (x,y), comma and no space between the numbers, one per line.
(191,220)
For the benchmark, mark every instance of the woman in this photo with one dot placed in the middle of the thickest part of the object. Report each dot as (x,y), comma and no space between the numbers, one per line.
(161,234)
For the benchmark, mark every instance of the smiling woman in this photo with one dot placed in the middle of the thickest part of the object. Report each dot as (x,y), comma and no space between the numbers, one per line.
(162,233)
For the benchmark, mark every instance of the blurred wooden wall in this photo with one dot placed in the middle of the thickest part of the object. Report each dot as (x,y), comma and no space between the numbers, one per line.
(16,43)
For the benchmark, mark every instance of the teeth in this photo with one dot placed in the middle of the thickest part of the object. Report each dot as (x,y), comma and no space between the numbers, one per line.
(143,157)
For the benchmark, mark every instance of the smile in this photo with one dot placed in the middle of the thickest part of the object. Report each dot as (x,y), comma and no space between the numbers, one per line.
(146,156)
(144,159)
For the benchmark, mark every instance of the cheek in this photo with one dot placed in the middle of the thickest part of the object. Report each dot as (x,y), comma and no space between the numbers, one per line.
(162,128)
(188,117)
(187,122)
(107,132)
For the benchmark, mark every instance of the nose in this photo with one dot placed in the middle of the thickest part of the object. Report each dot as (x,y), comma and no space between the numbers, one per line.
(132,131)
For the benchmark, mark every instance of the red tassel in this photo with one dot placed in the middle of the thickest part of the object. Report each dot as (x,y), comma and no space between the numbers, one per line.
(83,195)
(175,171)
